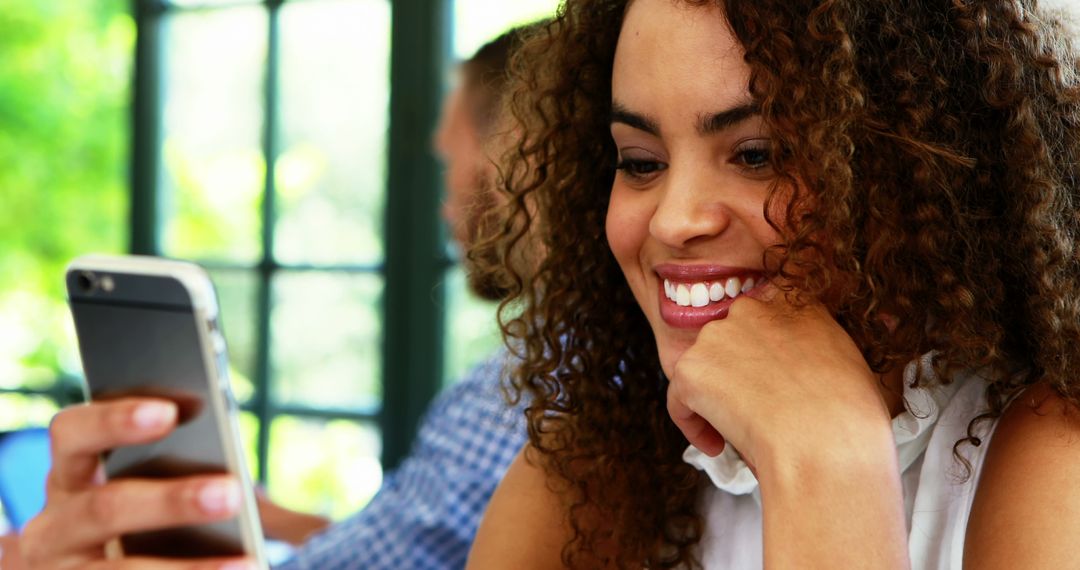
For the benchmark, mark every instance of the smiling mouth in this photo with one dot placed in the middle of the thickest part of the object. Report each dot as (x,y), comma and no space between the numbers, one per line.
(703,293)
(690,297)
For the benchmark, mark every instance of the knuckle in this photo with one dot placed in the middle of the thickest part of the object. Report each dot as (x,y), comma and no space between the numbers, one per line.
(744,306)
(60,425)
(31,540)
(674,394)
(680,393)
(76,425)
(678,372)
(53,484)
(105,504)
(114,417)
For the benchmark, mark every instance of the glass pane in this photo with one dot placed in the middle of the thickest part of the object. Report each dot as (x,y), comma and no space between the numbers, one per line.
(249,435)
(214,168)
(64,93)
(336,477)
(471,331)
(479,21)
(37,336)
(207,3)
(334,101)
(20,411)
(236,290)
(326,340)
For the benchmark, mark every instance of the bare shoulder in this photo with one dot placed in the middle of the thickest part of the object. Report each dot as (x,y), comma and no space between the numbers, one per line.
(524,525)
(1027,504)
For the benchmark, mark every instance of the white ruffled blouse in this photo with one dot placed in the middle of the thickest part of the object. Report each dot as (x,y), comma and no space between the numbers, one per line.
(937,498)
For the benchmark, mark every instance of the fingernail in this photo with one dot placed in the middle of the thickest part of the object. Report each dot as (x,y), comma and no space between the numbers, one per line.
(154,414)
(220,497)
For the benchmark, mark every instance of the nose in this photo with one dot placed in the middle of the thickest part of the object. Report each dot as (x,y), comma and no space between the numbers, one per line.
(691,209)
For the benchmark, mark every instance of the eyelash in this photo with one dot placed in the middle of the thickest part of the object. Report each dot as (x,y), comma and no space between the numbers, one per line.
(637,169)
(762,151)
(752,158)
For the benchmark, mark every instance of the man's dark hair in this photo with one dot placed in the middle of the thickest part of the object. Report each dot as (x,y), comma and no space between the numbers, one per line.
(485,76)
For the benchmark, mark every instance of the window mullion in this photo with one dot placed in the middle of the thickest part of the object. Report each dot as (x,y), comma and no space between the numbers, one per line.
(262,399)
(412,341)
(146,121)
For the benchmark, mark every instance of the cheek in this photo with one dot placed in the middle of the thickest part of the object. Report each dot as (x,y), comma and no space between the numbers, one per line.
(627,228)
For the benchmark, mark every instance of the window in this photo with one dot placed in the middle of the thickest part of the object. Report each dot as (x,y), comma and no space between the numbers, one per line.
(471,330)
(285,146)
(63,146)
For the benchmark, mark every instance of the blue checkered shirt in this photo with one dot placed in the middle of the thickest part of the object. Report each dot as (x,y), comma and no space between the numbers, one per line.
(426,513)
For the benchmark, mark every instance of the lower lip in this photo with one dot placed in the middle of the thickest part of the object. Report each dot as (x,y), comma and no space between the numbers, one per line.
(692,317)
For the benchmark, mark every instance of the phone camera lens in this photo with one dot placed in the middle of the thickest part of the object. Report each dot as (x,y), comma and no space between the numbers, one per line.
(87,281)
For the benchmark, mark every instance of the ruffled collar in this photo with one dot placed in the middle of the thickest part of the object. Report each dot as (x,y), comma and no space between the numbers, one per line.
(911,430)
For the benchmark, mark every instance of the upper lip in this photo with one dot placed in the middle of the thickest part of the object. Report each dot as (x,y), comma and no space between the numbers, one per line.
(701,272)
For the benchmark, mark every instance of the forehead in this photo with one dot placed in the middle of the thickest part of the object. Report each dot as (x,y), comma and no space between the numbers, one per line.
(672,56)
(456,114)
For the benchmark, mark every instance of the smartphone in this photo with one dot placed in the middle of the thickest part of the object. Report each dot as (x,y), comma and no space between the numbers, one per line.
(148,326)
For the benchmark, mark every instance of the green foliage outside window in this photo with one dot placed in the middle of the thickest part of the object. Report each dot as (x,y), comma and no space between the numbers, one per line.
(64,80)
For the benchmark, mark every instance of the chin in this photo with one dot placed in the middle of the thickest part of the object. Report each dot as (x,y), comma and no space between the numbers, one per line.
(670,351)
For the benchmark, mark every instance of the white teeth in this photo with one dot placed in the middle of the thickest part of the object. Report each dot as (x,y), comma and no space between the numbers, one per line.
(716,292)
(732,287)
(699,295)
(702,293)
(682,295)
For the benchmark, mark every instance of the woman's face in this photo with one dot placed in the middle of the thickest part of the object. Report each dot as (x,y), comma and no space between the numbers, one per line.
(686,220)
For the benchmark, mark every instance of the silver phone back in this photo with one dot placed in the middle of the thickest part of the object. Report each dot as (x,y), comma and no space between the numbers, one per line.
(147,327)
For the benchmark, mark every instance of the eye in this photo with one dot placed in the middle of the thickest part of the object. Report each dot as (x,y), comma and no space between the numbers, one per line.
(753,155)
(753,158)
(639,170)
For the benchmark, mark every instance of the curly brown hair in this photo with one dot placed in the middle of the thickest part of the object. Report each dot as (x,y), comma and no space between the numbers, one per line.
(938,145)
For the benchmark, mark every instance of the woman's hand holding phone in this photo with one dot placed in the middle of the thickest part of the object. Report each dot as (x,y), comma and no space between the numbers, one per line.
(84,514)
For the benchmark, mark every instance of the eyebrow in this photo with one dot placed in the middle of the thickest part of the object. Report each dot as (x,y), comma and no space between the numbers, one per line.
(708,124)
(620,114)
(716,122)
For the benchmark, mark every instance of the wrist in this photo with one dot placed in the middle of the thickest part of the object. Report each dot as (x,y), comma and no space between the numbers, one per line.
(837,443)
(845,458)
(835,505)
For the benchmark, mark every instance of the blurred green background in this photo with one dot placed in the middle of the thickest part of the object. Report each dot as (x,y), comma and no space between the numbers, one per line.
(66,84)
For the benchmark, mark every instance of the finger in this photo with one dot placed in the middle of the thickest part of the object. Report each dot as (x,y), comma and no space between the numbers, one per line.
(766,290)
(773,298)
(143,563)
(91,518)
(79,434)
(765,299)
(700,433)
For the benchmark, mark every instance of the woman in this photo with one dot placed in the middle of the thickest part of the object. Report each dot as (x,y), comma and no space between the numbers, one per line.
(810,290)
